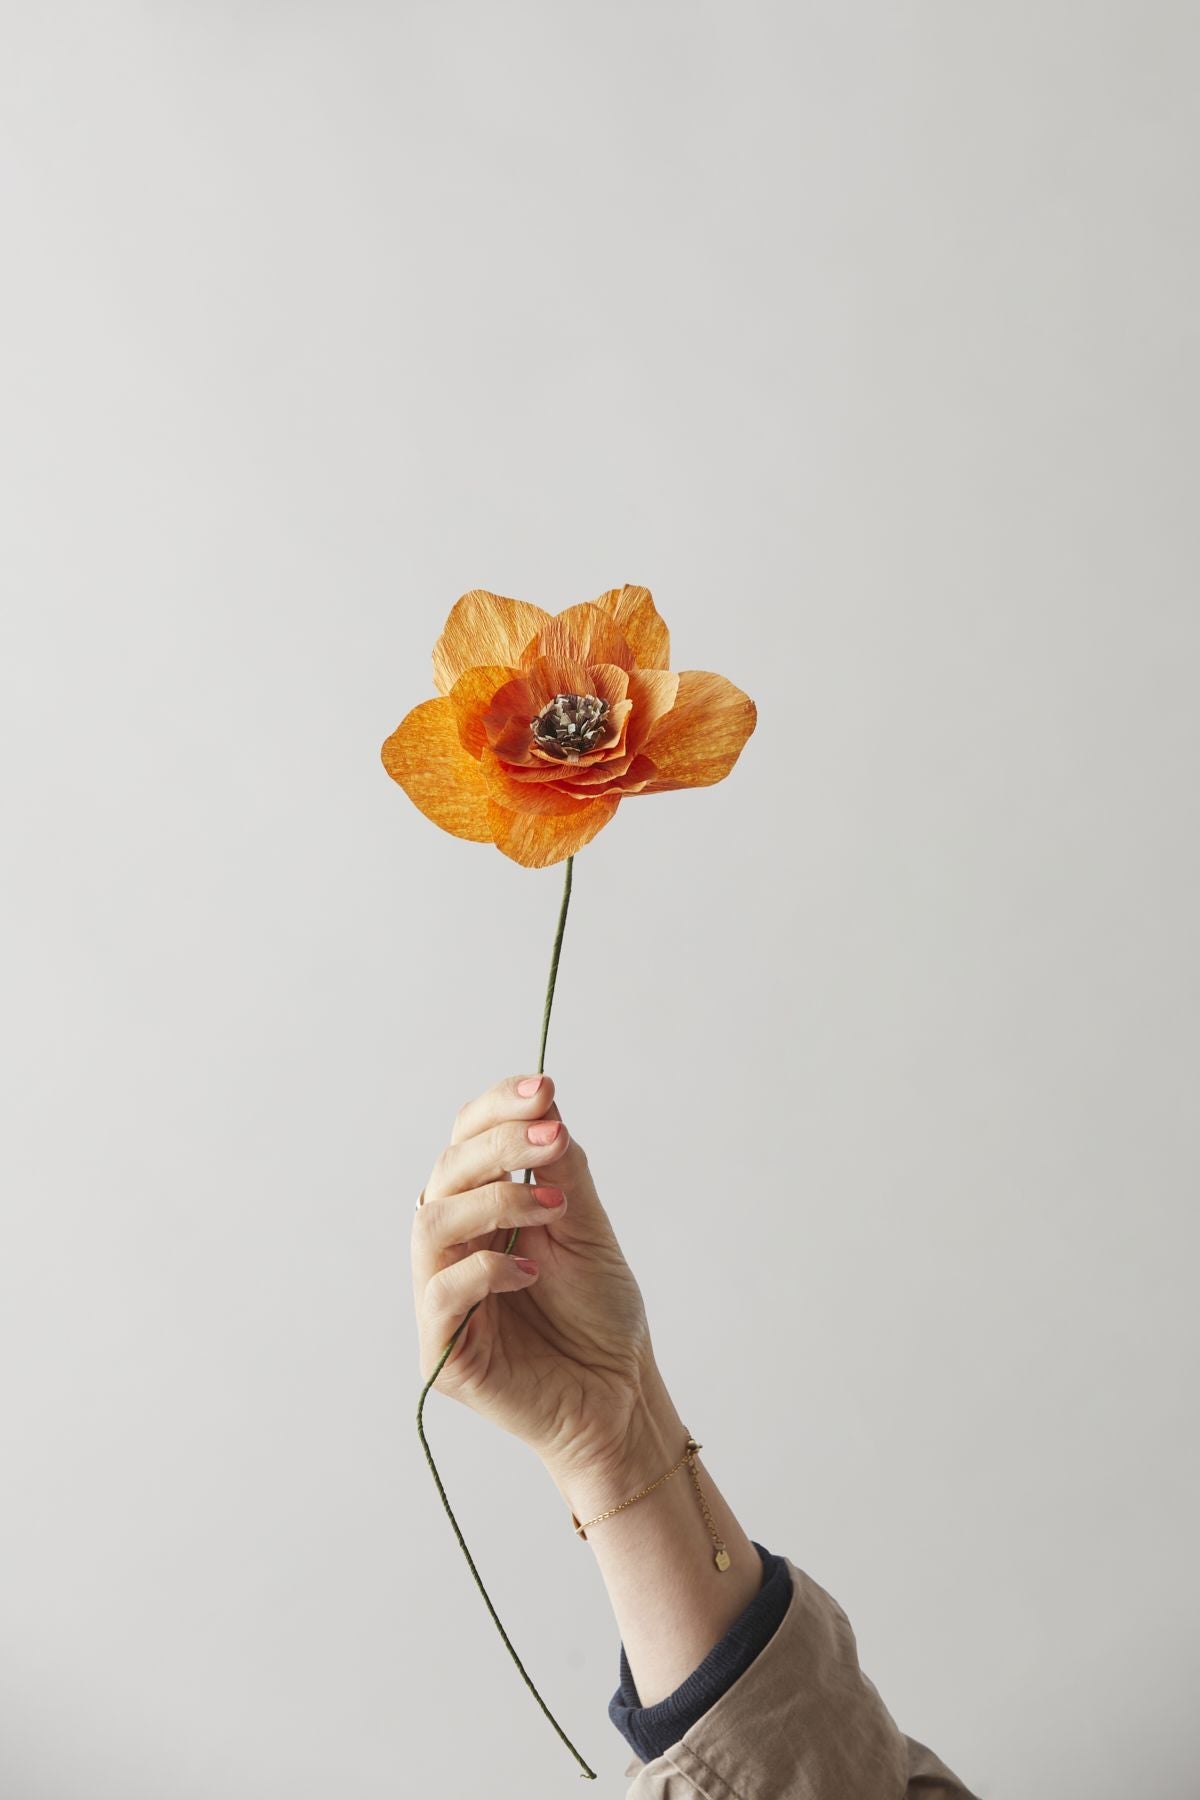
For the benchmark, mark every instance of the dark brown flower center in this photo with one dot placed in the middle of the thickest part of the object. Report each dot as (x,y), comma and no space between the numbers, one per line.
(570,724)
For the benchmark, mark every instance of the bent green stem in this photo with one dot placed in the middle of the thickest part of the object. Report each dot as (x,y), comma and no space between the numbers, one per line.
(588,1774)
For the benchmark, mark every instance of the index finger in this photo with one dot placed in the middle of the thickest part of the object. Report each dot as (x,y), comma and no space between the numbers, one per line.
(500,1103)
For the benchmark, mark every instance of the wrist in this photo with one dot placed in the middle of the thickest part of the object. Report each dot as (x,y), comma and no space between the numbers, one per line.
(650,1441)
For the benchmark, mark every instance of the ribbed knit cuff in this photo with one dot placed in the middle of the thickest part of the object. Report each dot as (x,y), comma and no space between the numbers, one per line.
(649,1730)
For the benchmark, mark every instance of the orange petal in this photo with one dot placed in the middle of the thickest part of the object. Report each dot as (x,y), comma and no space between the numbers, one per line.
(635,613)
(581,634)
(653,692)
(484,628)
(506,717)
(639,773)
(472,698)
(553,674)
(513,740)
(701,737)
(425,755)
(537,840)
(628,775)
(526,796)
(608,681)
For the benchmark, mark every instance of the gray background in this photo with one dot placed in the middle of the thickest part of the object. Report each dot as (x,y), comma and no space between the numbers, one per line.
(865,336)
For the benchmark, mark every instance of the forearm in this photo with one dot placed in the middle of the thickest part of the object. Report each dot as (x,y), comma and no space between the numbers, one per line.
(656,1558)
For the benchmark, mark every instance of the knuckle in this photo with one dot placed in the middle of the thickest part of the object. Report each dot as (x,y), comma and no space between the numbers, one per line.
(440,1288)
(508,1141)
(454,1287)
(462,1364)
(469,1280)
(429,1305)
(499,1199)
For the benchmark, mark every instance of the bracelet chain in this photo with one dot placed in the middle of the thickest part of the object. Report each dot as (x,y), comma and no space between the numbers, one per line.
(721,1556)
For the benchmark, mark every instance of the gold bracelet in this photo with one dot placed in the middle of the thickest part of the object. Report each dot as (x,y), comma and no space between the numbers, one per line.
(721,1556)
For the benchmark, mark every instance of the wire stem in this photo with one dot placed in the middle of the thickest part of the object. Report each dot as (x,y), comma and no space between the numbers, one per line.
(588,1774)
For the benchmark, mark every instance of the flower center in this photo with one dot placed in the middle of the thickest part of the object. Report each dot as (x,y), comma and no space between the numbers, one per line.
(570,724)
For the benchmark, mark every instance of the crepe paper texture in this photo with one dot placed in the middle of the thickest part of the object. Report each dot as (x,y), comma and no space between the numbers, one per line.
(543,724)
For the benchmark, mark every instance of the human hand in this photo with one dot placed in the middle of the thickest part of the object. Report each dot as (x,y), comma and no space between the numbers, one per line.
(561,1357)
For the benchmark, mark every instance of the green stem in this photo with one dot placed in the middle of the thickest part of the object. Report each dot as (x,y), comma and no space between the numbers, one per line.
(588,1774)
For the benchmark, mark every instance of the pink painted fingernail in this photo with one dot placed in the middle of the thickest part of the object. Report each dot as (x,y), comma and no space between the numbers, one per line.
(529,1086)
(543,1132)
(548,1196)
(527,1263)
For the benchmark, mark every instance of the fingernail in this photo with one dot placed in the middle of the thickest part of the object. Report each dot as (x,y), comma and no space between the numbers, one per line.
(544,1132)
(526,1263)
(529,1086)
(548,1196)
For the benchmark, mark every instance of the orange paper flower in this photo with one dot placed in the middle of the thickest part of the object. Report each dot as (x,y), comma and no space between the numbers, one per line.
(547,721)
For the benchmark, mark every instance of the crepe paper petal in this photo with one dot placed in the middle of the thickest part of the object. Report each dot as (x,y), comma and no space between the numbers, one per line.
(629,775)
(506,719)
(701,738)
(537,840)
(639,773)
(513,741)
(640,623)
(593,777)
(630,779)
(473,696)
(424,754)
(554,674)
(609,681)
(484,628)
(539,797)
(654,693)
(581,634)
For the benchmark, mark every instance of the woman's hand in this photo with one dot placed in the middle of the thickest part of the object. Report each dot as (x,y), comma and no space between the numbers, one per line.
(560,1357)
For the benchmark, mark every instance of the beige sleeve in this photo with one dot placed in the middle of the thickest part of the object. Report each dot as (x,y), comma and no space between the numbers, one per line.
(801,1723)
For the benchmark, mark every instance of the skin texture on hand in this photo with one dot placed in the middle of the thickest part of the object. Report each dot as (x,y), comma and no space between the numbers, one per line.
(563,1359)
(559,1358)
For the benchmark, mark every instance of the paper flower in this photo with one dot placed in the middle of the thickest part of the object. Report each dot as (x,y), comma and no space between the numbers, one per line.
(547,721)
(543,724)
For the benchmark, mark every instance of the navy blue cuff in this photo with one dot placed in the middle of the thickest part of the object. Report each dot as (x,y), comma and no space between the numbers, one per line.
(649,1730)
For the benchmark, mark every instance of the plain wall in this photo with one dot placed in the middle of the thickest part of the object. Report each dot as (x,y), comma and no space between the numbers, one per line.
(865,336)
